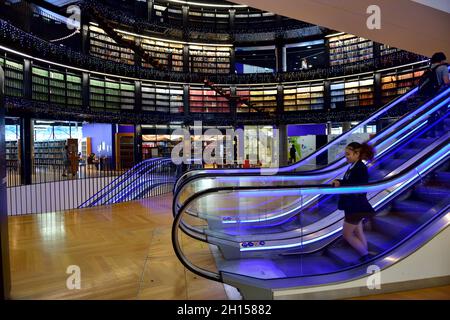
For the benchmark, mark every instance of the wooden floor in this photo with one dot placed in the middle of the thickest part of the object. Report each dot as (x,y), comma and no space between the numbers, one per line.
(124,251)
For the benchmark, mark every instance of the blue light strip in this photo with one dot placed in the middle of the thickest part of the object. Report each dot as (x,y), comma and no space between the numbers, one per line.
(413,174)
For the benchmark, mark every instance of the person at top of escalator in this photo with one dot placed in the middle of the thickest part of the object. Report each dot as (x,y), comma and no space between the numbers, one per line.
(440,66)
(356,206)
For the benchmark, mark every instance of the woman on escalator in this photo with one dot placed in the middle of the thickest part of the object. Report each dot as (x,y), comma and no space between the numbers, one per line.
(356,206)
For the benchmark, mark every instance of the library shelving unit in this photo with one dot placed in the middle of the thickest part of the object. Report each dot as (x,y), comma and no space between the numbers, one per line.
(209,17)
(86,148)
(398,82)
(12,154)
(167,53)
(167,98)
(207,101)
(73,87)
(40,84)
(303,97)
(102,46)
(347,48)
(13,77)
(263,98)
(111,95)
(386,49)
(209,59)
(49,152)
(124,150)
(357,92)
(57,86)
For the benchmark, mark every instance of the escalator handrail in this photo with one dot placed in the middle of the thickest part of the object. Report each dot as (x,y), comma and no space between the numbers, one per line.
(153,166)
(117,181)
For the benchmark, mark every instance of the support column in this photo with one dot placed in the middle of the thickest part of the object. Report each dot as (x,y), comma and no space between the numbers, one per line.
(85,43)
(377,101)
(186,100)
(232,18)
(327,95)
(150,4)
(137,143)
(27,79)
(85,91)
(137,96)
(137,58)
(279,44)
(185,10)
(283,145)
(232,60)
(26,144)
(233,103)
(5,273)
(186,67)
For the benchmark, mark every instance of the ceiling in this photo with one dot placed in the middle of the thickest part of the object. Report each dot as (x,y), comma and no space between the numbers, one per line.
(405,24)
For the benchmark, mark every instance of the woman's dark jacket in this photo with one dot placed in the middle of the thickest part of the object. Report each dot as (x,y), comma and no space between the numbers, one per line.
(355,202)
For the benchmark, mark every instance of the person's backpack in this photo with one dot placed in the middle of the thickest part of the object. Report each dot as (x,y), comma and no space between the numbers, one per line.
(428,83)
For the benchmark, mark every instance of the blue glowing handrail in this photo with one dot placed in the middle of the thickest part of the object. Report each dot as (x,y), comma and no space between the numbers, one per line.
(126,191)
(150,166)
(119,180)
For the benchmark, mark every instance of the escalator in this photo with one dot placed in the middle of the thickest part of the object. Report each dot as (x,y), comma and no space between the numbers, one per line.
(136,183)
(295,259)
(234,214)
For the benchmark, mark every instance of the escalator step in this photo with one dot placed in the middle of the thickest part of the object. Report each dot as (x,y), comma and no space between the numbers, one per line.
(306,265)
(393,225)
(410,206)
(431,194)
(343,255)
(378,242)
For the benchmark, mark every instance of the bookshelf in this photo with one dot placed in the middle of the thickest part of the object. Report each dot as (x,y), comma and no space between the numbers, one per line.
(167,53)
(264,98)
(209,59)
(347,48)
(386,49)
(102,46)
(111,95)
(202,100)
(398,82)
(303,97)
(352,93)
(49,152)
(13,77)
(57,85)
(12,154)
(162,98)
(73,88)
(40,84)
(124,150)
(126,95)
(86,148)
